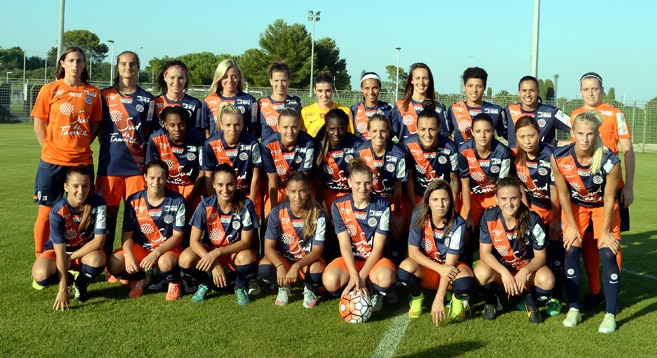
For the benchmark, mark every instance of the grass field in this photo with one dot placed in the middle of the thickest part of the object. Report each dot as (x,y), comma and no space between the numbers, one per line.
(110,324)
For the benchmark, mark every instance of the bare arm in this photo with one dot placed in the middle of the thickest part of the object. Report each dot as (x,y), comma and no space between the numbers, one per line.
(40,129)
(627,194)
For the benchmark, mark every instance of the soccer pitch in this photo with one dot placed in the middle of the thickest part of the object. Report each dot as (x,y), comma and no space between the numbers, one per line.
(110,324)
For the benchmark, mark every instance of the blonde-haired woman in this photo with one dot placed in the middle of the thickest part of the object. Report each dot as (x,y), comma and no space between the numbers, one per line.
(587,174)
(227,86)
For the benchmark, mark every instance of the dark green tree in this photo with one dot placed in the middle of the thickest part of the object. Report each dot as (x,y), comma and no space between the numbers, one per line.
(328,59)
(391,73)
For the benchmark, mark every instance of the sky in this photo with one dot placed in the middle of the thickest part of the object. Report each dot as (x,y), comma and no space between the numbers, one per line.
(615,39)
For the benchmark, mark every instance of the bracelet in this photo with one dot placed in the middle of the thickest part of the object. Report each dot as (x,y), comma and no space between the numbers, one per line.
(279,265)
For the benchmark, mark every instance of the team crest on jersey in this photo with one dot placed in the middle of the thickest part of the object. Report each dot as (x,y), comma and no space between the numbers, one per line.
(542,171)
(213,216)
(494,169)
(168,219)
(541,123)
(597,179)
(244,156)
(88,100)
(442,160)
(191,156)
(390,167)
(298,159)
(236,225)
(371,222)
(139,108)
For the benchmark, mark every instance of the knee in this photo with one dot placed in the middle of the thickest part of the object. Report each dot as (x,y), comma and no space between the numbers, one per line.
(167,262)
(95,259)
(245,257)
(384,277)
(331,280)
(116,264)
(187,259)
(409,265)
(317,267)
(544,279)
(42,271)
(482,274)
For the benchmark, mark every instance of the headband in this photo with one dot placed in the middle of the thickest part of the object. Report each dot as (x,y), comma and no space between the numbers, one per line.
(176,66)
(591,75)
(368,76)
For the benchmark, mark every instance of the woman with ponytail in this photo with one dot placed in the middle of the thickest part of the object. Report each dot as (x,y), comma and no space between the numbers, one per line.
(77,235)
(512,253)
(294,242)
(587,175)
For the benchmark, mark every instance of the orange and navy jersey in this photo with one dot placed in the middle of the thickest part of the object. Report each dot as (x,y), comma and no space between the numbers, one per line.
(484,172)
(125,118)
(614,127)
(183,160)
(152,225)
(287,230)
(361,224)
(222,229)
(360,115)
(549,118)
(434,242)
(586,188)
(278,159)
(430,165)
(506,243)
(244,157)
(335,162)
(312,118)
(68,113)
(536,176)
(269,109)
(459,120)
(407,120)
(243,101)
(191,104)
(388,168)
(64,224)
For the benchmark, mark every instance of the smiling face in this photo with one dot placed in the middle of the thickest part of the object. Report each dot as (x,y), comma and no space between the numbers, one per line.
(324,92)
(156,180)
(428,130)
(288,127)
(420,81)
(224,184)
(336,130)
(280,83)
(379,132)
(528,93)
(231,125)
(370,89)
(361,186)
(175,78)
(230,81)
(474,90)
(128,66)
(77,187)
(508,199)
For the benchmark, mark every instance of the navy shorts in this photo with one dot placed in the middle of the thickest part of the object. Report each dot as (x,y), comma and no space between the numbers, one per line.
(49,183)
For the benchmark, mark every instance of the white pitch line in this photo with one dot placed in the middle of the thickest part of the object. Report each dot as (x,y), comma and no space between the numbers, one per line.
(639,274)
(390,341)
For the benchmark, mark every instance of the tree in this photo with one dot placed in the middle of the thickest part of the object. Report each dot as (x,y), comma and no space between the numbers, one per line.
(201,66)
(391,84)
(328,59)
(88,41)
(489,92)
(548,87)
(610,95)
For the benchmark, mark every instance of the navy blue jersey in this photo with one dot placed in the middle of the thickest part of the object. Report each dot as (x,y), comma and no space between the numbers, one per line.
(388,168)
(277,159)
(430,165)
(64,224)
(407,120)
(269,110)
(335,162)
(549,119)
(361,114)
(191,104)
(183,160)
(287,230)
(222,229)
(536,176)
(244,157)
(459,120)
(484,172)
(152,225)
(361,224)
(243,101)
(434,242)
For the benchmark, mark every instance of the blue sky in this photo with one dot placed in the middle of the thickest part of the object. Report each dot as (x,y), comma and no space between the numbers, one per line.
(615,39)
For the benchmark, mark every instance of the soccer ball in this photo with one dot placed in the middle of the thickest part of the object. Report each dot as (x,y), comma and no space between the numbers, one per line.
(355,308)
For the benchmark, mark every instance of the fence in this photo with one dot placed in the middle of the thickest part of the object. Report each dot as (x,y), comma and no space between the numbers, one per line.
(17,99)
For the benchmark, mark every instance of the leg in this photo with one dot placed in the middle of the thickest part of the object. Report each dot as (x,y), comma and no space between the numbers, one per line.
(335,277)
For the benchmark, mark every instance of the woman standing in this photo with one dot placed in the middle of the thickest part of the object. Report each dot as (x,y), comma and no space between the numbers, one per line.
(173,82)
(153,231)
(370,86)
(67,116)
(587,175)
(77,233)
(312,116)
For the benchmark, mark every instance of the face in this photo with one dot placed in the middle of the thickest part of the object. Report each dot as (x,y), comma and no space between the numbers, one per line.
(127,65)
(370,89)
(288,127)
(474,89)
(78,187)
(482,131)
(224,184)
(73,64)
(175,78)
(176,127)
(528,93)
(528,138)
(336,130)
(298,193)
(361,185)
(420,81)
(427,130)
(508,199)
(156,179)
(230,80)
(231,125)
(439,203)
(279,82)
(379,132)
(591,92)
(324,92)
(584,135)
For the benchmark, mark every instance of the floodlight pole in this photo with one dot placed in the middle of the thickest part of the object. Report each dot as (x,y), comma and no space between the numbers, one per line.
(313,16)
(111,62)
(397,80)
(534,64)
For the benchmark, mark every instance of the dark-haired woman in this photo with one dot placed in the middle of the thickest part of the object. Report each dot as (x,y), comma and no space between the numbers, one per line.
(549,117)
(419,88)
(173,82)
(271,106)
(512,253)
(435,244)
(153,230)
(370,87)
(67,115)
(77,234)
(294,243)
(532,167)
(312,116)
(223,226)
(127,121)
(361,221)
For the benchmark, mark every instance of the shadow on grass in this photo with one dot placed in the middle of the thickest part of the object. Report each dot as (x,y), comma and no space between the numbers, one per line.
(449,350)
